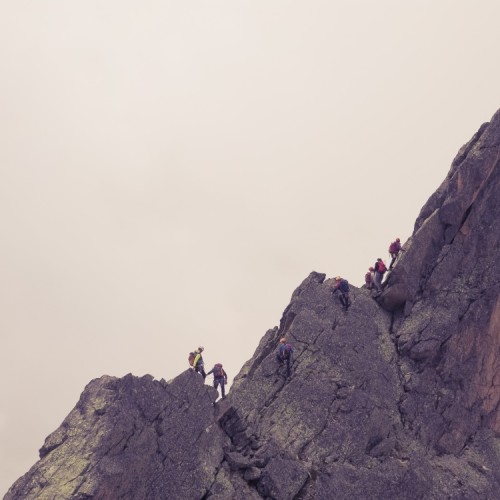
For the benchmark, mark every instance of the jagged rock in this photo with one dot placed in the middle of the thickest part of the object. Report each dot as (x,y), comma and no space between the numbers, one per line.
(394,402)
(252,474)
(237,461)
(282,479)
(449,335)
(131,438)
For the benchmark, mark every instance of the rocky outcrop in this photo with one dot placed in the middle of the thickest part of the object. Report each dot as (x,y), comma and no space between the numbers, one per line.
(397,398)
(448,336)
(128,438)
(343,415)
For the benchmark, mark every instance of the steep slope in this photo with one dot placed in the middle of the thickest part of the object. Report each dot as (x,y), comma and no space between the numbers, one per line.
(449,334)
(131,438)
(398,398)
(342,419)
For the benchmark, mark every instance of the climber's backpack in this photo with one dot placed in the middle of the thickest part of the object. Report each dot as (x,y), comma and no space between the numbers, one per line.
(287,351)
(344,286)
(393,248)
(191,358)
(218,371)
(381,267)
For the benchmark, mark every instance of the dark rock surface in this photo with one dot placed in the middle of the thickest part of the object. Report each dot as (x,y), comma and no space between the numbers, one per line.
(449,334)
(131,438)
(398,398)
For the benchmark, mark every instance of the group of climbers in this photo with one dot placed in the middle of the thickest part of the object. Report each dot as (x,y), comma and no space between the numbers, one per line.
(375,274)
(373,279)
(283,356)
(195,360)
(284,353)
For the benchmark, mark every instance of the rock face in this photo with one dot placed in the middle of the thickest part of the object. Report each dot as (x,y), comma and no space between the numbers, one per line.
(124,440)
(398,398)
(448,335)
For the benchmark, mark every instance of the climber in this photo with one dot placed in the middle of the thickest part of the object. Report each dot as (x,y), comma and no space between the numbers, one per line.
(380,270)
(369,278)
(342,285)
(283,354)
(394,249)
(198,365)
(220,378)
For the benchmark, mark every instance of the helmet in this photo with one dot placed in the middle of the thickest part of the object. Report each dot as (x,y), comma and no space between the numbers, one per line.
(379,259)
(201,348)
(283,340)
(371,269)
(338,278)
(398,240)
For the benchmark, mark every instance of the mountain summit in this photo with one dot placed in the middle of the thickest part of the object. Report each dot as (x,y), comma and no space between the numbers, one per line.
(397,398)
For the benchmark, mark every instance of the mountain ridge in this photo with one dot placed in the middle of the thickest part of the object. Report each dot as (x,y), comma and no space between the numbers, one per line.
(398,398)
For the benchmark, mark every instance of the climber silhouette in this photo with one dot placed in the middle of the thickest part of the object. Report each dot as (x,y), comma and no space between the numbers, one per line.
(220,378)
(284,354)
(342,286)
(198,364)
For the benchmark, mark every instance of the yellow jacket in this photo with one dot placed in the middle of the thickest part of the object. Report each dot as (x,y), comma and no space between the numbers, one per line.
(198,358)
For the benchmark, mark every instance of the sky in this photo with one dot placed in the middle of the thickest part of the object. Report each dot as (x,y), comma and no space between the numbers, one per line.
(170,171)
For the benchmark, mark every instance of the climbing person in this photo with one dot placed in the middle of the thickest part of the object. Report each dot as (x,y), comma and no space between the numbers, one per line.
(198,364)
(220,378)
(369,278)
(342,285)
(380,270)
(394,249)
(283,354)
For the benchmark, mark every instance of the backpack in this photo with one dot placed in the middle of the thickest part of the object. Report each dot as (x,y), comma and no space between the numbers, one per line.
(287,351)
(368,277)
(393,247)
(381,267)
(218,371)
(344,286)
(191,357)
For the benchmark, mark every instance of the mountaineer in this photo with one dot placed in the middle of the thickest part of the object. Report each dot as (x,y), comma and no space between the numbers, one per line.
(283,354)
(394,249)
(220,378)
(380,270)
(369,278)
(342,285)
(196,361)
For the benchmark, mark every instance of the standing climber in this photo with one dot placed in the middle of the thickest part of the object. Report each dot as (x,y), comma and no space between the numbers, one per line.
(342,286)
(380,270)
(394,249)
(283,354)
(198,364)
(369,278)
(220,378)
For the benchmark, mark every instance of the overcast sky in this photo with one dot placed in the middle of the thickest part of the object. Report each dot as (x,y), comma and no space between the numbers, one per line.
(170,171)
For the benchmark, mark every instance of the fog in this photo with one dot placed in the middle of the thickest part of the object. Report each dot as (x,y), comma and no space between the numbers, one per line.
(171,171)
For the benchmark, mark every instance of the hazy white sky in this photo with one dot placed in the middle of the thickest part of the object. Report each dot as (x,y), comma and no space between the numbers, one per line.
(170,171)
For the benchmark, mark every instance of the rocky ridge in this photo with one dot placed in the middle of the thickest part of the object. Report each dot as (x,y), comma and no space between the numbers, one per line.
(398,398)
